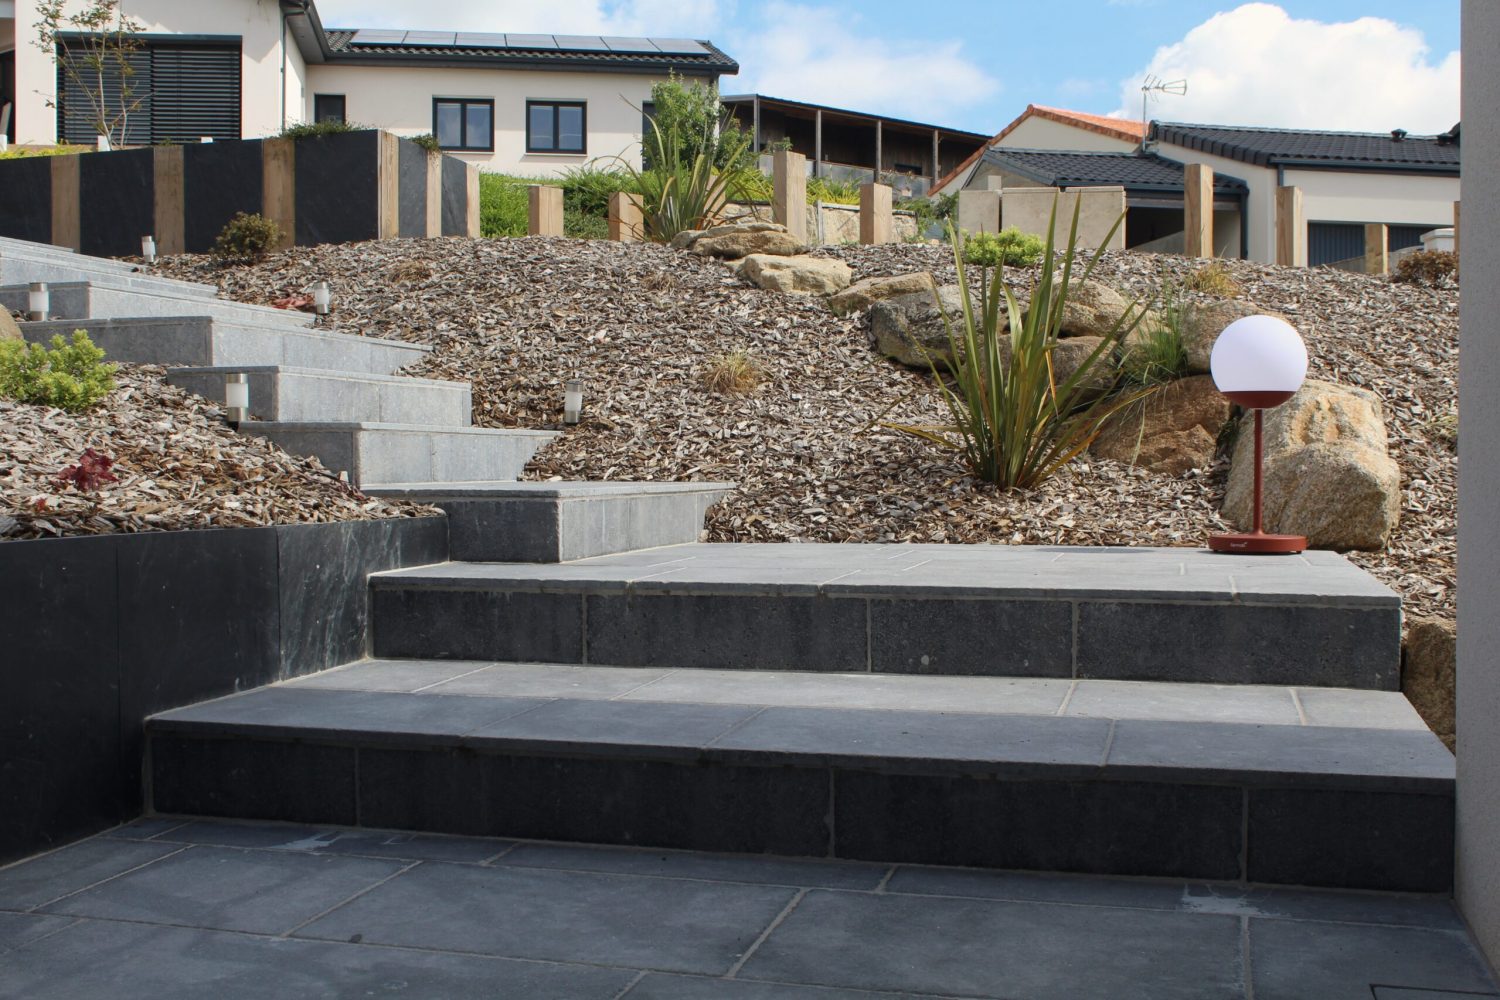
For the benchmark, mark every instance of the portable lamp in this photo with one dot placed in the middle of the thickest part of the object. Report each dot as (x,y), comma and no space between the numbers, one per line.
(1258,362)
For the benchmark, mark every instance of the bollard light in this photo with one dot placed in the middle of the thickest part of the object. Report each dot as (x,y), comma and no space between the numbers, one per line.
(572,400)
(1258,362)
(322,297)
(148,249)
(38,301)
(237,398)
(102,143)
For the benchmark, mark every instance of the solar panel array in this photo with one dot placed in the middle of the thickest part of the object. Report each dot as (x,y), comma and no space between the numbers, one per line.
(560,43)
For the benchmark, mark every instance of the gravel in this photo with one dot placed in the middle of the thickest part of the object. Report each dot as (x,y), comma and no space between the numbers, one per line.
(643,326)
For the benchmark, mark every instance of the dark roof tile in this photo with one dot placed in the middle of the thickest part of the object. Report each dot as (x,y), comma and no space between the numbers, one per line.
(1133,171)
(1268,147)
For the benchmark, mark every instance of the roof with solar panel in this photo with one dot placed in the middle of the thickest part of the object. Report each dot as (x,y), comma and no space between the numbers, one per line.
(559,51)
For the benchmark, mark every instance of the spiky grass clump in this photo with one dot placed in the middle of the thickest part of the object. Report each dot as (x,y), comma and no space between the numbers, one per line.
(732,374)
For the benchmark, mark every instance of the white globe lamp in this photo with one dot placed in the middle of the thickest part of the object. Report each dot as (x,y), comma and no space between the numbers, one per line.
(1258,362)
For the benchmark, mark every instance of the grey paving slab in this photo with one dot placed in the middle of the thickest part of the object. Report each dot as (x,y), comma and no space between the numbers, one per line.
(41,879)
(17,929)
(551,680)
(1166,701)
(664,924)
(388,675)
(1406,759)
(1359,709)
(829,736)
(1295,960)
(697,865)
(1400,993)
(224,888)
(325,840)
(145,828)
(104,960)
(986,948)
(661,986)
(639,726)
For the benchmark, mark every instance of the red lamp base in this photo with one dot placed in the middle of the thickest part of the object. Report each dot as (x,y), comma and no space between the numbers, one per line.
(1258,544)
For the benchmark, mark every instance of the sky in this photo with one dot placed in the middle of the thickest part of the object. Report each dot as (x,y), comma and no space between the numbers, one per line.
(1371,65)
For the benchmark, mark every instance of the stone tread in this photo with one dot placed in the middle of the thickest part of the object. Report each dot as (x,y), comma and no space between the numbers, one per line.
(511,490)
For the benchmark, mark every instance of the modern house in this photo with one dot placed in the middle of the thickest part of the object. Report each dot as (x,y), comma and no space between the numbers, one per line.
(854,145)
(1040,127)
(529,104)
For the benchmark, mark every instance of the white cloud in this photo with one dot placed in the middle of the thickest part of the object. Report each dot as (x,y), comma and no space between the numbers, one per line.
(819,55)
(1257,65)
(693,18)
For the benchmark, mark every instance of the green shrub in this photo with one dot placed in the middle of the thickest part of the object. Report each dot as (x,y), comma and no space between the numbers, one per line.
(311,130)
(427,141)
(695,123)
(502,205)
(70,376)
(928,211)
(1009,246)
(1427,267)
(1012,422)
(586,190)
(21,152)
(832,190)
(246,237)
(1156,353)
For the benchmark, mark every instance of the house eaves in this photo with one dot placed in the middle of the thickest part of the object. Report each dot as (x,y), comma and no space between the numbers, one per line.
(1304,149)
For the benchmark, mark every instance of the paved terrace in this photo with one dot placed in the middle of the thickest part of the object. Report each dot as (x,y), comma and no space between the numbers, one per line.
(176,909)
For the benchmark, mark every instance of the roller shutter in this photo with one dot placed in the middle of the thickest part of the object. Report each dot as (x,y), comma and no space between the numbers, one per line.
(187,91)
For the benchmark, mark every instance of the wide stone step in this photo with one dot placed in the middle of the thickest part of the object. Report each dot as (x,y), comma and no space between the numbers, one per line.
(1168,614)
(384,453)
(205,341)
(561,521)
(25,262)
(1042,774)
(109,298)
(282,393)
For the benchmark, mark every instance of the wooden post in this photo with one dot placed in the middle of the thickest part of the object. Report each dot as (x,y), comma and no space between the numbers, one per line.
(789,191)
(937,172)
(388,186)
(755,122)
(874,213)
(1377,239)
(1198,210)
(1291,228)
(625,222)
(818,143)
(471,202)
(278,187)
(434,194)
(879,148)
(1455,227)
(545,214)
(166,180)
(65,211)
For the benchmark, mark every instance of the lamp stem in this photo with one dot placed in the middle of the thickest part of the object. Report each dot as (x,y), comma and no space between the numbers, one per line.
(1259,454)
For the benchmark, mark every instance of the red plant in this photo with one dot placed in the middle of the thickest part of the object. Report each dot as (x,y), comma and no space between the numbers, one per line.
(304,303)
(91,472)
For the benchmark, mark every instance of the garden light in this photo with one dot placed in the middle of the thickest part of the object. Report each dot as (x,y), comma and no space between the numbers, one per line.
(322,297)
(148,249)
(38,301)
(572,401)
(1258,362)
(237,398)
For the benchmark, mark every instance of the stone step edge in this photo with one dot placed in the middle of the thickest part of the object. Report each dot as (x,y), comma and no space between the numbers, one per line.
(228,326)
(190,302)
(541,490)
(338,374)
(366,427)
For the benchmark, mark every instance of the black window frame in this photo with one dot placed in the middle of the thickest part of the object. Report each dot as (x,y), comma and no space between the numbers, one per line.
(343,107)
(464,104)
(582,106)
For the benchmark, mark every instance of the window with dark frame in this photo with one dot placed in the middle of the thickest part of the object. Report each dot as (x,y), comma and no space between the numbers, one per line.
(463,123)
(328,108)
(556,127)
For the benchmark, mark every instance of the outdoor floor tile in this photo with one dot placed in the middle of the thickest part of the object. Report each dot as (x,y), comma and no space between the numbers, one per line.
(1364,709)
(104,960)
(325,840)
(696,865)
(145,828)
(1296,960)
(1035,951)
(549,680)
(1036,887)
(1434,912)
(639,724)
(660,986)
(42,879)
(17,929)
(661,924)
(388,675)
(1197,702)
(1400,993)
(224,888)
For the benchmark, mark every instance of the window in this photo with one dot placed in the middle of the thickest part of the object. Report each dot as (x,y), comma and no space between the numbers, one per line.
(328,108)
(648,118)
(186,90)
(463,123)
(555,127)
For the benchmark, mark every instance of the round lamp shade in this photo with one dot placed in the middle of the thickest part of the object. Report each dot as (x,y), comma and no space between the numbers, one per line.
(1259,361)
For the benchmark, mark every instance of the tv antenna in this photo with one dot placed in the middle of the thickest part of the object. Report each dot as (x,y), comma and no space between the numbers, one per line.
(1156,85)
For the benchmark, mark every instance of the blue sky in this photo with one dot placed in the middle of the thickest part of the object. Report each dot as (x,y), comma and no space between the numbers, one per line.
(1371,65)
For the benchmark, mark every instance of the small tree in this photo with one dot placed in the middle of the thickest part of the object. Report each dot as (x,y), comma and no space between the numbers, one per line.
(690,113)
(92,49)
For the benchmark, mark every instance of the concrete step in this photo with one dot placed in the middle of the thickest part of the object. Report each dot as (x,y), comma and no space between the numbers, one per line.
(1179,781)
(280,393)
(23,261)
(558,521)
(205,341)
(383,452)
(1171,614)
(110,298)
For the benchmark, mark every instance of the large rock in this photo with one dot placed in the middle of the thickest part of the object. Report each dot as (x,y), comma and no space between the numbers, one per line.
(1428,674)
(742,240)
(1171,431)
(1327,473)
(864,294)
(909,328)
(9,329)
(1203,322)
(1091,310)
(802,275)
(1070,354)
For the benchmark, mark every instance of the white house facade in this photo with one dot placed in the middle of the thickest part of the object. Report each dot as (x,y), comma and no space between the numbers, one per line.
(523,104)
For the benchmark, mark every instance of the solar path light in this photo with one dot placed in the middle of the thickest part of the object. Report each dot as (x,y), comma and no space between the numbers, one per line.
(38,301)
(1258,362)
(572,400)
